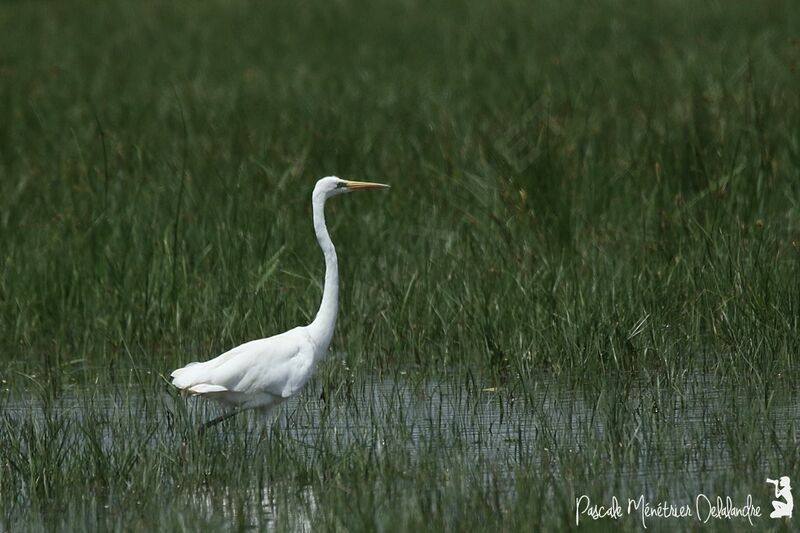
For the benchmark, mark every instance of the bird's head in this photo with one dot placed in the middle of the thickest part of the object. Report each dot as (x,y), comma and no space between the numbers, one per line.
(331,186)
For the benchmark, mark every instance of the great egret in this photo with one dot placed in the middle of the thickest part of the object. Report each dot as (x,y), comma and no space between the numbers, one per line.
(264,372)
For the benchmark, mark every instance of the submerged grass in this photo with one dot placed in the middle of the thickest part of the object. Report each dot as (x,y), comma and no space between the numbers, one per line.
(600,198)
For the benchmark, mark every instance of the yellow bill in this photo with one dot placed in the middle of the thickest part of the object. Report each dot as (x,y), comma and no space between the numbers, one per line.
(353,185)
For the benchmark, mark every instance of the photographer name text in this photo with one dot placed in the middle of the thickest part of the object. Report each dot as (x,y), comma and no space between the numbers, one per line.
(704,509)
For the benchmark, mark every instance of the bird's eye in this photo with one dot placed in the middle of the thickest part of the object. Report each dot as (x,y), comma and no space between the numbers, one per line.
(341,185)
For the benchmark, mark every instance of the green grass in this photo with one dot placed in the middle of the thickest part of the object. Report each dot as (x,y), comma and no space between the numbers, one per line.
(603,198)
(392,455)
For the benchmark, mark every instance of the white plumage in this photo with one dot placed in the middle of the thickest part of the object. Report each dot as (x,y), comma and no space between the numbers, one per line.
(264,372)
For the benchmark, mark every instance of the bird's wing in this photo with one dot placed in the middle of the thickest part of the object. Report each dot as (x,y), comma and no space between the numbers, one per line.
(205,388)
(282,367)
(278,365)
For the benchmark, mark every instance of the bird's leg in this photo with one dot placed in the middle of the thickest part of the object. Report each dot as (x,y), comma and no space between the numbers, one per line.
(221,418)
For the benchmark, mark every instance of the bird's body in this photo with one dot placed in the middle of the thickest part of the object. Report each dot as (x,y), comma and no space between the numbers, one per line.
(264,372)
(259,373)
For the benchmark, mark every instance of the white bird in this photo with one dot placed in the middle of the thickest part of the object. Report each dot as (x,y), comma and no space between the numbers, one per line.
(264,372)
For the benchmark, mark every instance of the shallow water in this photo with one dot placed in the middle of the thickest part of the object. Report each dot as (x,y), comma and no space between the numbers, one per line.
(490,421)
(677,441)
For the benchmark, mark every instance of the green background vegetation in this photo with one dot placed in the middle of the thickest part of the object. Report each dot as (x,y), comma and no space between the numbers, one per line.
(602,195)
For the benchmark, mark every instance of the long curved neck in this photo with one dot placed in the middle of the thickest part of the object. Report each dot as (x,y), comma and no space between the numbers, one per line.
(321,328)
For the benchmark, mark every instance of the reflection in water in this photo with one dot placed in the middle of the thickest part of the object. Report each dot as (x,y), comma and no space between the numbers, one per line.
(655,435)
(227,505)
